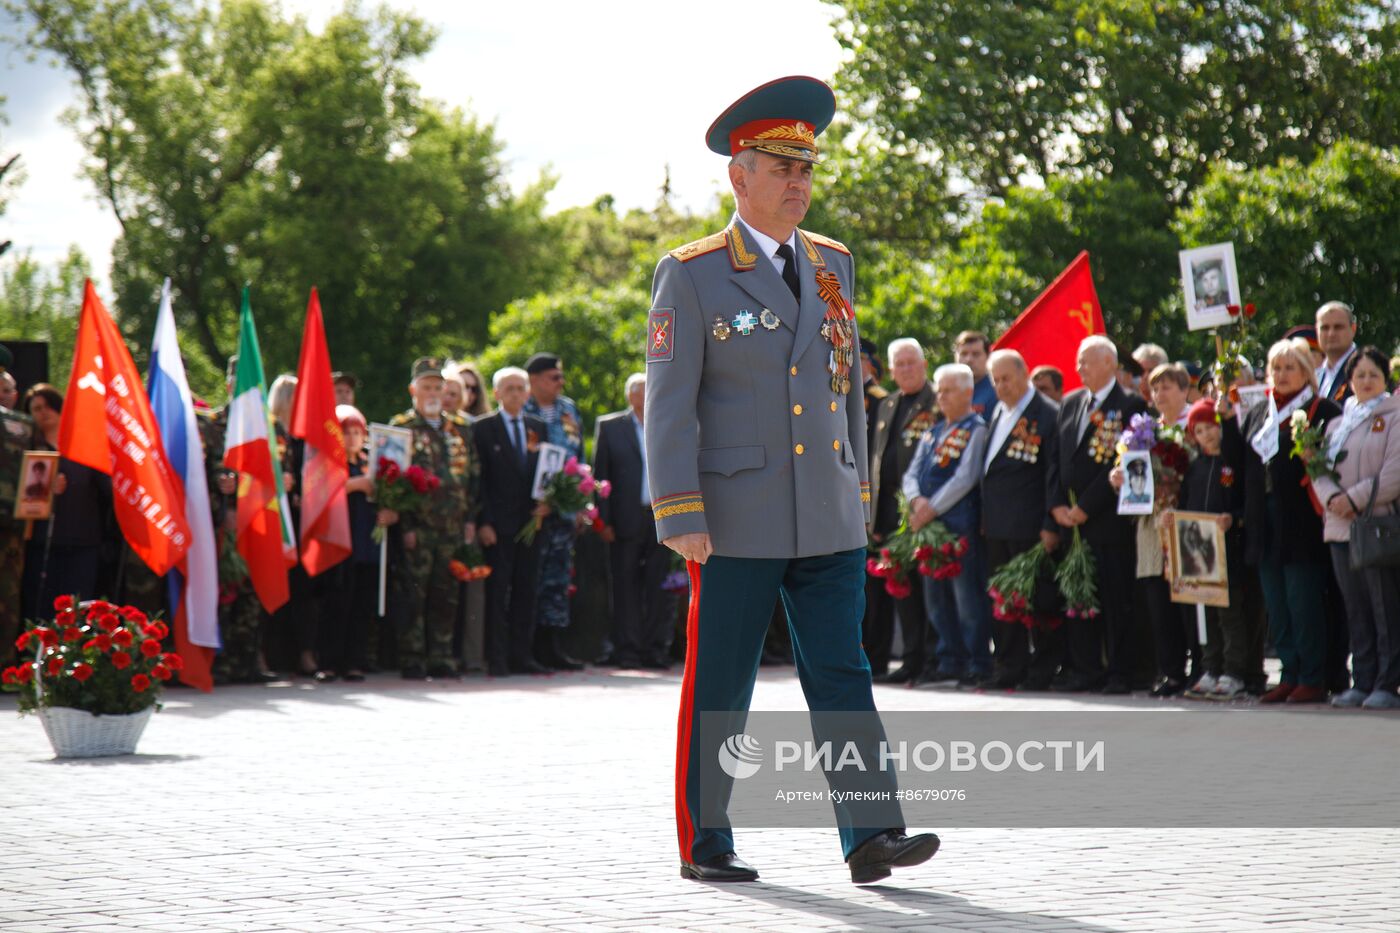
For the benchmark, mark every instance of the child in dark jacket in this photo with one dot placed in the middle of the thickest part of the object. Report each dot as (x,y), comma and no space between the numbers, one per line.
(1213,484)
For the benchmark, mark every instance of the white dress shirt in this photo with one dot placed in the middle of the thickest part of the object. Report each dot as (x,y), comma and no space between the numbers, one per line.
(1095,404)
(769,246)
(1328,375)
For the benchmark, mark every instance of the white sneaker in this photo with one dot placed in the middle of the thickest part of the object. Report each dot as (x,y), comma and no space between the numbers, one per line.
(1227,688)
(1203,686)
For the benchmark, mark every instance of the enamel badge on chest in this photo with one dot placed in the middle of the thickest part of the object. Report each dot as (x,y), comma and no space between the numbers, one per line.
(745,322)
(721,329)
(768,319)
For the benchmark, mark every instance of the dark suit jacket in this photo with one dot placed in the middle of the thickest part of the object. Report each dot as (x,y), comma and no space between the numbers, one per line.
(1073,469)
(618,459)
(881,428)
(505,481)
(1281,525)
(1015,504)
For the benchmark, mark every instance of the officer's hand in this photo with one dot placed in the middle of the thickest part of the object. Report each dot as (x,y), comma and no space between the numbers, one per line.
(487,535)
(410,540)
(1060,514)
(541,510)
(1078,516)
(921,513)
(469,533)
(694,547)
(387,517)
(228,482)
(1049,540)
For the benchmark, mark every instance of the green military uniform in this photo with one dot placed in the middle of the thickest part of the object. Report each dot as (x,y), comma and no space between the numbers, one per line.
(425,586)
(16,436)
(240,613)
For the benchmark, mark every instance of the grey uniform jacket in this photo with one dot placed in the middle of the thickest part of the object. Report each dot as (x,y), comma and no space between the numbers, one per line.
(745,438)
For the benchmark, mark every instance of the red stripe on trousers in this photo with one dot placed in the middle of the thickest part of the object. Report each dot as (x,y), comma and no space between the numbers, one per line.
(685,826)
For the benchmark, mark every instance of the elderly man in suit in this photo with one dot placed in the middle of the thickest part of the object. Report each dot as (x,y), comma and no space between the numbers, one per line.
(641,624)
(1019,453)
(900,420)
(507,442)
(756,456)
(1090,422)
(1336,338)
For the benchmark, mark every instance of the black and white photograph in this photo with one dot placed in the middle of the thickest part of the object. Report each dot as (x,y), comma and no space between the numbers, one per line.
(34,501)
(552,458)
(1135,497)
(1209,284)
(390,443)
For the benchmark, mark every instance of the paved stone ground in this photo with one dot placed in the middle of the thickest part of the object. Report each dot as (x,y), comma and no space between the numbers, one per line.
(545,803)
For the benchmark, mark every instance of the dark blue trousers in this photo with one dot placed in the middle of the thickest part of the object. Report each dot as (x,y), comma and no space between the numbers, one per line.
(731,603)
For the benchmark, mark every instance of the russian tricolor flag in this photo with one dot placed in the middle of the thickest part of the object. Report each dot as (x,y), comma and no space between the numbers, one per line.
(194,584)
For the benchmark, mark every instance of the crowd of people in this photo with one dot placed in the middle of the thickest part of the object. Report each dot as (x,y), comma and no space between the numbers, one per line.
(985,444)
(995,451)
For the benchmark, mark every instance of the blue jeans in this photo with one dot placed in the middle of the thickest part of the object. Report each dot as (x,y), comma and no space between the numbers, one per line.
(962,615)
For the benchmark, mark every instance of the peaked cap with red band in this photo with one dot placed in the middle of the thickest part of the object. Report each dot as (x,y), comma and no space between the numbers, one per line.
(782,118)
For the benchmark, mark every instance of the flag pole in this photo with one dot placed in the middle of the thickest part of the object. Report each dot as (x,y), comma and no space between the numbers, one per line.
(383,571)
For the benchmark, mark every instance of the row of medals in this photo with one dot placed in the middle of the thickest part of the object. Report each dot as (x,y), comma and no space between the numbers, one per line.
(838,333)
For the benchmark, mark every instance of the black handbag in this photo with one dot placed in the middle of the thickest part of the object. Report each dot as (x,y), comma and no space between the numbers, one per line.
(1375,539)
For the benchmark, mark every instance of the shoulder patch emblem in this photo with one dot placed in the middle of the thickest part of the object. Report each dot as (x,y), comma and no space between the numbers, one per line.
(700,247)
(828,241)
(661,337)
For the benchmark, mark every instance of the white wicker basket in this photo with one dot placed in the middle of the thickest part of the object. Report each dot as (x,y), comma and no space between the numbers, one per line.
(76,733)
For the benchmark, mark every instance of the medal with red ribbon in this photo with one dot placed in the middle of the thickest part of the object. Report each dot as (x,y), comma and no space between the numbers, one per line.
(838,328)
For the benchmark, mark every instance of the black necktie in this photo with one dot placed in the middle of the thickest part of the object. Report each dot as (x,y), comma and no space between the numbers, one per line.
(518,439)
(790,271)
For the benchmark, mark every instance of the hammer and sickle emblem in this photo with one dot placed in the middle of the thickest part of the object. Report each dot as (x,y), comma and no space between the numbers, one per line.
(1084,317)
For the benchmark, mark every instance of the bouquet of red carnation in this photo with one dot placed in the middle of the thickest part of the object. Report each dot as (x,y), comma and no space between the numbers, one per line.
(932,551)
(1012,588)
(1077,577)
(401,490)
(97,657)
(568,492)
(468,563)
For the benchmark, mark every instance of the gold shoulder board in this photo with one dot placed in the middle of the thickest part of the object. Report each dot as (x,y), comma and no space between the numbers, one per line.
(827,241)
(700,247)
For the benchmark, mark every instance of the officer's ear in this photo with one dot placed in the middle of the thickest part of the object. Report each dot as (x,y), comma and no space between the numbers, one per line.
(413,390)
(738,179)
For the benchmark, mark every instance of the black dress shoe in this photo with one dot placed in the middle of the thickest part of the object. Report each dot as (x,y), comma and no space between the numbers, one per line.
(266,677)
(1073,683)
(1036,683)
(654,664)
(531,667)
(326,677)
(726,867)
(443,672)
(1116,686)
(932,678)
(498,670)
(890,849)
(1167,687)
(414,673)
(609,660)
(903,675)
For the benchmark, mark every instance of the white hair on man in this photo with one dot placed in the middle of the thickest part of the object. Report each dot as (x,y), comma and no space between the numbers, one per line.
(905,343)
(1099,342)
(746,159)
(1012,356)
(634,380)
(1150,351)
(960,374)
(507,372)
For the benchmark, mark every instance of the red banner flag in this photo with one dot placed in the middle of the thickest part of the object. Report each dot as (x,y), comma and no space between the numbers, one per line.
(1048,332)
(107,424)
(325,515)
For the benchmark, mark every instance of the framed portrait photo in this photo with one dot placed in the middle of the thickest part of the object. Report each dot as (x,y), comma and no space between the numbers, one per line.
(34,494)
(1196,560)
(552,459)
(1136,495)
(391,443)
(1210,285)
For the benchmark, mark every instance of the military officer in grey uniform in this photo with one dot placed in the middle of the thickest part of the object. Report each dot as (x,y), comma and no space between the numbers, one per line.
(756,455)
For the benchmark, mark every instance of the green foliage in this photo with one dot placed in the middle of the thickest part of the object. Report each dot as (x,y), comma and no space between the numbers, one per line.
(43,304)
(599,334)
(236,145)
(1305,234)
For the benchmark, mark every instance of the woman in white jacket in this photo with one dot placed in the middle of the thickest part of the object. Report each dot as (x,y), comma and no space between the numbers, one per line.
(1364,445)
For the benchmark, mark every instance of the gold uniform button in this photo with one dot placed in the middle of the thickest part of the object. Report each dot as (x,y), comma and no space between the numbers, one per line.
(798,449)
(833,408)
(797,409)
(793,370)
(835,445)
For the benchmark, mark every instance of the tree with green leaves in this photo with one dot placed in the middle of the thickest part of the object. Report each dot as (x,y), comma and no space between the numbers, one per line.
(39,303)
(236,145)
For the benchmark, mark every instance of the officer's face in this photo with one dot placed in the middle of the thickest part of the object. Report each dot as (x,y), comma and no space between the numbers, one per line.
(910,370)
(427,395)
(775,194)
(1010,379)
(954,398)
(1335,331)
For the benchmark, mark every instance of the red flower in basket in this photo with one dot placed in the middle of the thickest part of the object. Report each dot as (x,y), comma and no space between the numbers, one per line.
(140,683)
